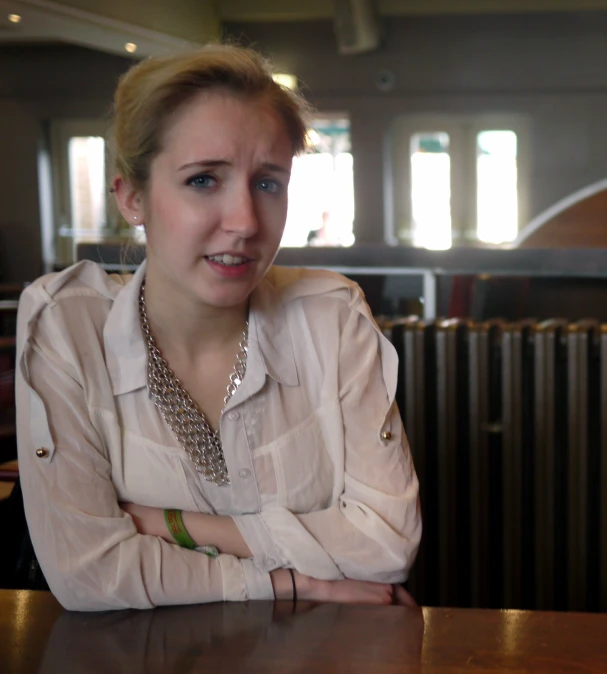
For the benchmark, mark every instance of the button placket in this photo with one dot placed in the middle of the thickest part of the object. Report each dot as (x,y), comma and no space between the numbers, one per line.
(245,497)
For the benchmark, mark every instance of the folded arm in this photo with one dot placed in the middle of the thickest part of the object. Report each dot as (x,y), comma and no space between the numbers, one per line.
(89,549)
(372,531)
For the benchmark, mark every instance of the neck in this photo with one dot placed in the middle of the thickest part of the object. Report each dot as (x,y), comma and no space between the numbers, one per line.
(185,328)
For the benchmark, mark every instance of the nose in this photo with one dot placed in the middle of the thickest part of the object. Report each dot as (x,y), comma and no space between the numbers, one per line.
(241,217)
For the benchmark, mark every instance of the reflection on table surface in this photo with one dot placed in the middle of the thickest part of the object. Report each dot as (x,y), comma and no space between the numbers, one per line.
(36,635)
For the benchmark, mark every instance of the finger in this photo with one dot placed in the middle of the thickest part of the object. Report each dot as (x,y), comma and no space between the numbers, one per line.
(403,598)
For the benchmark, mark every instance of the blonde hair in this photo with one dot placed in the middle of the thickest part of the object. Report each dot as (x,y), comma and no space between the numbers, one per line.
(150,92)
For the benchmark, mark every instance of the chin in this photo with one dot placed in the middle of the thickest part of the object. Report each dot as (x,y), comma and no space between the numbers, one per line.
(228,293)
(225,300)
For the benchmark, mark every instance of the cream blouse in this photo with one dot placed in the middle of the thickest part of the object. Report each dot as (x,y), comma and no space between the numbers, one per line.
(322,479)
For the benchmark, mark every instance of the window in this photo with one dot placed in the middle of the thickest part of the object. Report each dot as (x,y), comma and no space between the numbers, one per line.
(457,180)
(431,190)
(86,170)
(496,186)
(321,190)
(81,204)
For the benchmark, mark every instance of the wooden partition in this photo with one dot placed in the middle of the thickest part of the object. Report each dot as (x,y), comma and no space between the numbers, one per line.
(579,221)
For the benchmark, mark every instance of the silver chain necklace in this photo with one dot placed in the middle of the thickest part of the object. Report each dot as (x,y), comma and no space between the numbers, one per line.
(182,414)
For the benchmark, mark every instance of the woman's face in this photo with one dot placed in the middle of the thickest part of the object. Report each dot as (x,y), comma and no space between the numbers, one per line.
(216,202)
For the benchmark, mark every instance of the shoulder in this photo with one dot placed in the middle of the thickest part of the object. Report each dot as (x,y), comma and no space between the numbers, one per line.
(65,302)
(86,279)
(313,286)
(326,301)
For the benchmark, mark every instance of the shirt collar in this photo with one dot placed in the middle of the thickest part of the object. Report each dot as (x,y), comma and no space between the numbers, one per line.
(126,352)
(268,325)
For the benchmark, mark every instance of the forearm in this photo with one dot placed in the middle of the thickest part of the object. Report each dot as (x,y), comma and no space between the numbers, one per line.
(204,529)
(216,530)
(328,545)
(362,543)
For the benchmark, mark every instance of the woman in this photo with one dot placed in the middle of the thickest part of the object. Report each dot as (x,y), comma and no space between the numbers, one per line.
(136,456)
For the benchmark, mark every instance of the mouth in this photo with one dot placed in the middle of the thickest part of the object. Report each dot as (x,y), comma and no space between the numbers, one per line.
(229,260)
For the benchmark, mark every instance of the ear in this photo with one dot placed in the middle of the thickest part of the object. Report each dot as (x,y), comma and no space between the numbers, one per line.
(129,201)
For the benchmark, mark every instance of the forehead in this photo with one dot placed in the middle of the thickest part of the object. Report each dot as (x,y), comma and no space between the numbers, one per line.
(218,121)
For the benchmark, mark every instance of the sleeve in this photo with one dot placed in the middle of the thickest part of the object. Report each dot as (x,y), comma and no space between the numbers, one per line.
(88,548)
(373,530)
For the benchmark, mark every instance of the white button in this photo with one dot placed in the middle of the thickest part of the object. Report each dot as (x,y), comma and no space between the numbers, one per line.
(233,415)
(245,473)
(271,561)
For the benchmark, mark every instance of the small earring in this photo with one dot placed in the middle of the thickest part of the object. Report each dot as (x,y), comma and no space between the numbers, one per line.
(134,217)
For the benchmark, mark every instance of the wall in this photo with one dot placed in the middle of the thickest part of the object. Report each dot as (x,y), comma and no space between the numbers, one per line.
(39,83)
(548,67)
(196,21)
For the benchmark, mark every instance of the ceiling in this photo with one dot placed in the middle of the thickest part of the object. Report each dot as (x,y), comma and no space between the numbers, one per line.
(159,26)
(303,10)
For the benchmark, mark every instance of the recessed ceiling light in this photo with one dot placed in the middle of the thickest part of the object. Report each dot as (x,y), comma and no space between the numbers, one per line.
(130,47)
(14,18)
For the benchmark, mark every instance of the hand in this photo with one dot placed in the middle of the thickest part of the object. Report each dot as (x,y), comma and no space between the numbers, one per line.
(346,591)
(339,591)
(403,598)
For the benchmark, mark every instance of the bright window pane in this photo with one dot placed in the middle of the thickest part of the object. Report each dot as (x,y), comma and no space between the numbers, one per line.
(431,190)
(321,191)
(86,157)
(497,198)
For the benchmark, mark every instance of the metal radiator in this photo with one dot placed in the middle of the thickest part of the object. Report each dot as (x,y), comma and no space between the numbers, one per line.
(508,429)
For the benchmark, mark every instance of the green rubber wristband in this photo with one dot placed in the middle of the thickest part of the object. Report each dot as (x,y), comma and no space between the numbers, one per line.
(177,530)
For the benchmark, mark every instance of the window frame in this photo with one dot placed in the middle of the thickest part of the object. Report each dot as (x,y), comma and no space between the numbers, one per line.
(61,131)
(463,130)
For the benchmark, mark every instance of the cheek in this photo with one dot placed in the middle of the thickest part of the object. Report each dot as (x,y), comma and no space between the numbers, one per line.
(274,215)
(173,217)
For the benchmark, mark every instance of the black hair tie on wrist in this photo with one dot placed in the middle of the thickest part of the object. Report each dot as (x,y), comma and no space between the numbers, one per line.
(294,586)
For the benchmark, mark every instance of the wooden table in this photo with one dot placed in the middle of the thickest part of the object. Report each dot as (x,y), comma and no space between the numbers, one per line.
(36,635)
(9,472)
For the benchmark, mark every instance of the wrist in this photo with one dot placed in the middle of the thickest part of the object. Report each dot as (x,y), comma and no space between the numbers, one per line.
(189,522)
(177,529)
(305,585)
(283,584)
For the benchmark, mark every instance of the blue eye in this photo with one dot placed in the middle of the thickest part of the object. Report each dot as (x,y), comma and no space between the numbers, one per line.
(269,185)
(202,180)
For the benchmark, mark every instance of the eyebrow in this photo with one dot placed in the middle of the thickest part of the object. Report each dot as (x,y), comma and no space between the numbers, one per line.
(215,163)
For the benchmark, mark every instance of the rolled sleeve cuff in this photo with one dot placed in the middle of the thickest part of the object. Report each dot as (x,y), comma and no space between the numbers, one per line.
(233,577)
(266,554)
(259,584)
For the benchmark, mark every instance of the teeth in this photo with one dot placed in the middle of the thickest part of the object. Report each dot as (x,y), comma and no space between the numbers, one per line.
(228,260)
